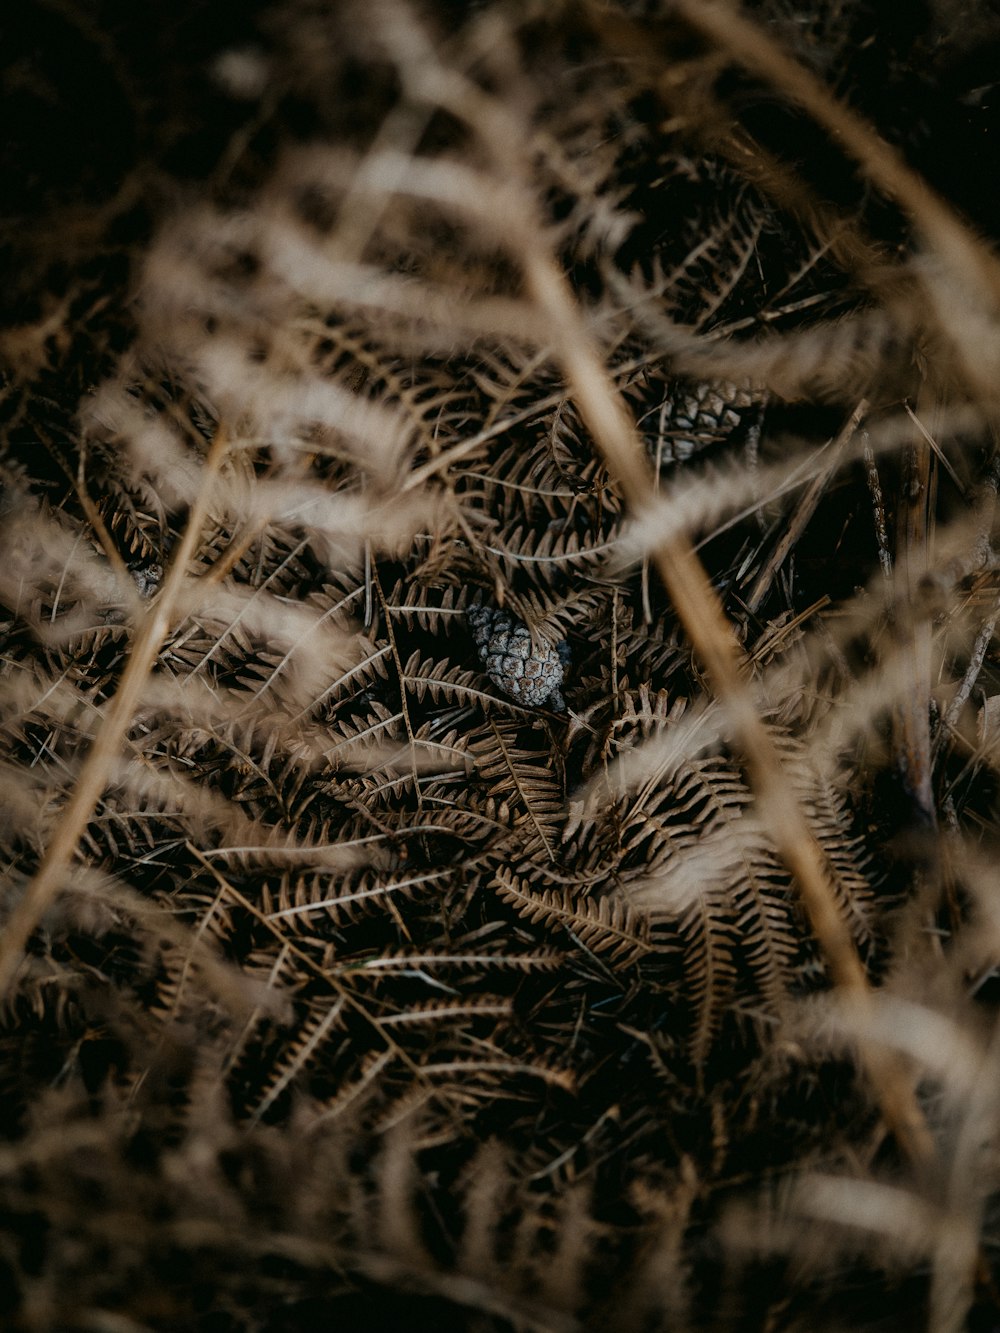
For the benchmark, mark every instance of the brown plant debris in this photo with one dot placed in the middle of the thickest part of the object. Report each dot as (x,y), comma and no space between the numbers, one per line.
(498,691)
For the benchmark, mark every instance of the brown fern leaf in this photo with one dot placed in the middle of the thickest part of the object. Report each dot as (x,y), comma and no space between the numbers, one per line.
(605,925)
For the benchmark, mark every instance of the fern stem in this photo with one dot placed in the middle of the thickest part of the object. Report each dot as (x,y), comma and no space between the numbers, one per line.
(704,619)
(93,776)
(610,424)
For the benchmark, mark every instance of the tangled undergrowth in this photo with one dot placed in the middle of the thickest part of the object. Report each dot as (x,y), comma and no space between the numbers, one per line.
(340,985)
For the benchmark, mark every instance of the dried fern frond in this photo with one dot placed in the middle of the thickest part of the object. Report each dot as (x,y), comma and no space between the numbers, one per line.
(356,986)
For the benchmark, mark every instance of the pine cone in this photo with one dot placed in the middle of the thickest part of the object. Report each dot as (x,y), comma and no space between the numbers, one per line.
(531,675)
(697,415)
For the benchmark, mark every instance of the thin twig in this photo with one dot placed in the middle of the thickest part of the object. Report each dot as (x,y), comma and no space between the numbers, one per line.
(878,508)
(976,658)
(913,738)
(806,508)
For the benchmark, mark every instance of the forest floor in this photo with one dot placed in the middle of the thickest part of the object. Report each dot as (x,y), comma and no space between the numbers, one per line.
(498,807)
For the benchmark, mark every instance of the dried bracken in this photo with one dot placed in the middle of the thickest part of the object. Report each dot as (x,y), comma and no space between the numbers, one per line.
(400,921)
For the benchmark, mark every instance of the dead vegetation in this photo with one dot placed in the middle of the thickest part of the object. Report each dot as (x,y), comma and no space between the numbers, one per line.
(339,986)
